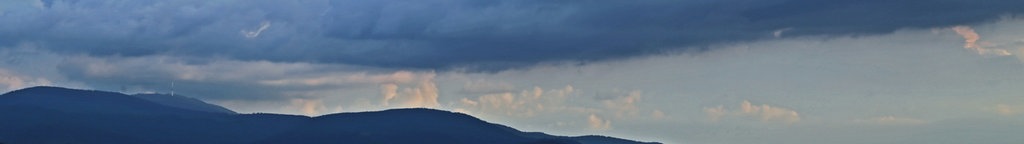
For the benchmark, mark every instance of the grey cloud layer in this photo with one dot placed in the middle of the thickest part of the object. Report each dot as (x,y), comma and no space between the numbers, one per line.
(481,35)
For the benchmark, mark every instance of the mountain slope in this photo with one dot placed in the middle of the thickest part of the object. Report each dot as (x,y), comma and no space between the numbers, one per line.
(85,101)
(404,126)
(183,103)
(45,115)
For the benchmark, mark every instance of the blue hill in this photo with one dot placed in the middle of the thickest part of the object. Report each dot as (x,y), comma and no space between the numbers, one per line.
(51,115)
(184,102)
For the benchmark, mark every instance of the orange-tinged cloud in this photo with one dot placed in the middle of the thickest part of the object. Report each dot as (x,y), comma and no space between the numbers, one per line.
(971,42)
(10,81)
(715,113)
(309,107)
(764,112)
(526,103)
(597,123)
(424,94)
(388,91)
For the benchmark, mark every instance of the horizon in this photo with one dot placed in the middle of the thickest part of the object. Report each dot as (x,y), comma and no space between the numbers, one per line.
(671,71)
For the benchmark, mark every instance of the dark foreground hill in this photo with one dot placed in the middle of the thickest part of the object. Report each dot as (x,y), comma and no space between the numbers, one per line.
(45,115)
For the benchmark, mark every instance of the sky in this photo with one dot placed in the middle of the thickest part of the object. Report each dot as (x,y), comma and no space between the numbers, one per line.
(673,71)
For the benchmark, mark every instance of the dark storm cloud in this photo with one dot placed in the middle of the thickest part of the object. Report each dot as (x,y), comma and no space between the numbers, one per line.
(485,35)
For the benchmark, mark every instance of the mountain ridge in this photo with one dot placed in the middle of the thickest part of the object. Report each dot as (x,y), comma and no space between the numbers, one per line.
(62,115)
(184,102)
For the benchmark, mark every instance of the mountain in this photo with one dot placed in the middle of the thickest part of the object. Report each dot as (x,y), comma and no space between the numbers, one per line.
(184,102)
(85,102)
(50,115)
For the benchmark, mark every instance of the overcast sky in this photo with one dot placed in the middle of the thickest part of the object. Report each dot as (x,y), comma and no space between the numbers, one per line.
(674,71)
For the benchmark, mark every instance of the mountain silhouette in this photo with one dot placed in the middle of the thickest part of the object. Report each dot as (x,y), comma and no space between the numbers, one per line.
(52,115)
(184,102)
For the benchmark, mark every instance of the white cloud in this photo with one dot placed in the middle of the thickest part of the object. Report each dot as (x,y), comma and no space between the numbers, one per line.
(764,113)
(770,113)
(658,114)
(467,102)
(624,106)
(778,33)
(424,94)
(715,113)
(256,33)
(597,123)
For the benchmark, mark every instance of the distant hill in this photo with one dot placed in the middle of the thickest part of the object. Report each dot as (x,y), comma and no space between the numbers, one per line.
(52,115)
(184,102)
